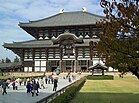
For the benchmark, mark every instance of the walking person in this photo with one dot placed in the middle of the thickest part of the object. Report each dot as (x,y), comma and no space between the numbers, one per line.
(0,88)
(55,84)
(34,89)
(4,85)
(13,84)
(46,79)
(49,80)
(28,86)
(52,80)
(37,87)
(69,79)
(24,81)
(20,81)
(42,83)
(16,85)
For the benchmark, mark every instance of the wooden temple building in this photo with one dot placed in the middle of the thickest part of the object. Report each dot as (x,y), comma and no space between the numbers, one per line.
(60,40)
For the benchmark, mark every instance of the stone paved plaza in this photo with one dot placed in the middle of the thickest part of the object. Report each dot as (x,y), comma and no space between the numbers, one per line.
(20,95)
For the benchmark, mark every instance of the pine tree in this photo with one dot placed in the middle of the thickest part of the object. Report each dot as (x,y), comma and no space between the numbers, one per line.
(16,59)
(7,60)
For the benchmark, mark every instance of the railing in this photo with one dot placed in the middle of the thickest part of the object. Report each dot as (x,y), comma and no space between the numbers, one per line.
(54,95)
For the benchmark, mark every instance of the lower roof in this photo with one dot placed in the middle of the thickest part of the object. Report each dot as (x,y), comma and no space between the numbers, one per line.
(10,65)
(42,44)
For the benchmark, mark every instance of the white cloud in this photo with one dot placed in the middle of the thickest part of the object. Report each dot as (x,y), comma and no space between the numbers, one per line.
(36,9)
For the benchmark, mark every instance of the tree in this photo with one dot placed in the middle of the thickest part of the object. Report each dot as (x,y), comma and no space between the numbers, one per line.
(7,60)
(119,42)
(16,59)
(2,61)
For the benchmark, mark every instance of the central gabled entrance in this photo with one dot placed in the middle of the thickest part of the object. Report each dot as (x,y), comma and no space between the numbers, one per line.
(68,55)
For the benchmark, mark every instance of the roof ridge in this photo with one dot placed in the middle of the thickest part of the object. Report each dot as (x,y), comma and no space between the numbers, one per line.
(45,18)
(25,41)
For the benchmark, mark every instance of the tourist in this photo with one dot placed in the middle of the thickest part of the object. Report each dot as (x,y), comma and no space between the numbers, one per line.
(37,87)
(0,88)
(42,83)
(16,85)
(51,77)
(57,70)
(20,81)
(34,89)
(69,79)
(28,86)
(8,82)
(49,80)
(31,88)
(55,84)
(24,81)
(73,77)
(4,85)
(46,79)
(13,84)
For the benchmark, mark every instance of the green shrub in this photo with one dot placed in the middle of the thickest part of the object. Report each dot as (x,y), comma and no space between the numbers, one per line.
(70,93)
(100,77)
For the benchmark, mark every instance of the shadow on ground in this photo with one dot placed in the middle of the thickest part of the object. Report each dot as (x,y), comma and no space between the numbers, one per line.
(21,97)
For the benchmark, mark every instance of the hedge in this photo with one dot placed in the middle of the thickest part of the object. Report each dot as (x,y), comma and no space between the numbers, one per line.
(70,93)
(100,77)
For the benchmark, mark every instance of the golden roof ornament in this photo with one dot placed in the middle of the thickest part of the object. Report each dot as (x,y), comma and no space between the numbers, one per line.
(61,11)
(84,9)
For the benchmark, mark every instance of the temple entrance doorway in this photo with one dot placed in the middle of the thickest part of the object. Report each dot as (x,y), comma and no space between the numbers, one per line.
(83,69)
(53,68)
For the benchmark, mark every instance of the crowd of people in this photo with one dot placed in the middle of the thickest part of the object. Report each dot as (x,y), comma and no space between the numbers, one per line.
(33,84)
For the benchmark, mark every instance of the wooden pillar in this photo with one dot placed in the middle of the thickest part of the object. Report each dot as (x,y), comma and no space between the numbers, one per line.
(72,65)
(40,65)
(33,58)
(90,32)
(90,63)
(75,65)
(60,65)
(77,31)
(76,62)
(22,59)
(47,62)
(46,56)
(47,66)
(61,62)
(92,72)
(102,71)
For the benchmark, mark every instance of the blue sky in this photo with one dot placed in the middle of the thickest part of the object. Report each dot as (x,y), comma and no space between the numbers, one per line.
(14,11)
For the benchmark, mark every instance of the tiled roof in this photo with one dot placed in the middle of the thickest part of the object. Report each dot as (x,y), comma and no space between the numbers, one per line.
(65,19)
(66,35)
(41,44)
(98,66)
(8,65)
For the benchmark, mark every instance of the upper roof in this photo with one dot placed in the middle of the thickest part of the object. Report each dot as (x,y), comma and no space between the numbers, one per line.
(65,19)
